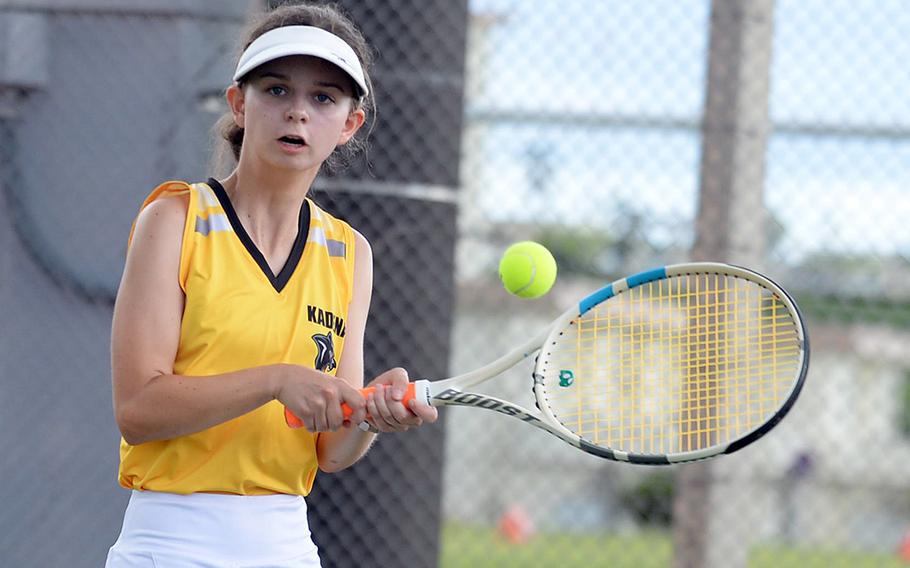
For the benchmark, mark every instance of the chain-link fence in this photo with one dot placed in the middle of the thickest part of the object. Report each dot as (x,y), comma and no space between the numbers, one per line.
(622,135)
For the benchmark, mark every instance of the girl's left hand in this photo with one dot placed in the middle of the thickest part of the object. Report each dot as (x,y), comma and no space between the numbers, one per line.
(385,409)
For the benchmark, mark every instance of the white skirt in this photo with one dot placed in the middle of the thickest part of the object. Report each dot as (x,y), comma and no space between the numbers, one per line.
(207,530)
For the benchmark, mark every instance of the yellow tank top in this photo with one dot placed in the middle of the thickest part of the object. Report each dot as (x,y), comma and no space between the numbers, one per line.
(239,315)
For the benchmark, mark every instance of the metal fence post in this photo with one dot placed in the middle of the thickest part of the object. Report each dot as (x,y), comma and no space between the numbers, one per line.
(730,226)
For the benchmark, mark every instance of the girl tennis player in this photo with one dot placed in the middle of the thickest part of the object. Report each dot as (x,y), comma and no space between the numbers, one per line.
(241,298)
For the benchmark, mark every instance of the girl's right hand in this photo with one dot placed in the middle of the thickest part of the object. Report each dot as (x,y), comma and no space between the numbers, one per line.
(316,398)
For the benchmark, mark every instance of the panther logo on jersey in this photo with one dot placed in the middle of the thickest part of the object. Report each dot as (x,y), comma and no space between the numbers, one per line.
(325,358)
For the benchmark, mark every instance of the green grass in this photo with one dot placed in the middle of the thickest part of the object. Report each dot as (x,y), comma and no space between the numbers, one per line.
(479,547)
(771,555)
(472,547)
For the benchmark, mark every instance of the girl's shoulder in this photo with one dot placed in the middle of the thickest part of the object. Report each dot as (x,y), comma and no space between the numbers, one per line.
(199,194)
(165,206)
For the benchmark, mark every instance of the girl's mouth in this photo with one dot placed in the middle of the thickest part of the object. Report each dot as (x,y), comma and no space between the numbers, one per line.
(293,140)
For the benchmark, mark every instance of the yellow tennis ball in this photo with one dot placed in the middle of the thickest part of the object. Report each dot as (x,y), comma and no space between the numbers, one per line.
(527,269)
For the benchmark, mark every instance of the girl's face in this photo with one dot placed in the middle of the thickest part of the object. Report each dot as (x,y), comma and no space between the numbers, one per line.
(294,112)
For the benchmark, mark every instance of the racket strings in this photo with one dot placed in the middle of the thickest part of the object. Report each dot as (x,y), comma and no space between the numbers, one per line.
(675,365)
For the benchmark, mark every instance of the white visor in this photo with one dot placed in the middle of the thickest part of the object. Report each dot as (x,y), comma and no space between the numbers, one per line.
(302,40)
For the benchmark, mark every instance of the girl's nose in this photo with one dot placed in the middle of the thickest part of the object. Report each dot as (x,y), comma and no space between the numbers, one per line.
(297,114)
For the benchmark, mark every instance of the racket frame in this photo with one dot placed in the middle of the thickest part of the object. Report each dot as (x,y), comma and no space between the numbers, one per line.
(451,391)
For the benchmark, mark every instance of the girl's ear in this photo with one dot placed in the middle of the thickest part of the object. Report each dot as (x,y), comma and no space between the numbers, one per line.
(353,123)
(234,96)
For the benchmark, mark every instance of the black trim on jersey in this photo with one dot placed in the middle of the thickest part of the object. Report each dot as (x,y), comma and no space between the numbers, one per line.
(303,229)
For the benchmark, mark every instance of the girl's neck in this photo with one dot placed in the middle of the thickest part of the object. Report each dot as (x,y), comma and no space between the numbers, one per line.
(260,182)
(268,202)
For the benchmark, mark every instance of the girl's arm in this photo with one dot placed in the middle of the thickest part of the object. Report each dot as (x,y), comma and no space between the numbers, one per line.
(338,450)
(150,401)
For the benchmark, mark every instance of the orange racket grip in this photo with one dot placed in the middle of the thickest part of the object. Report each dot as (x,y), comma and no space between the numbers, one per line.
(418,389)
(365,392)
(291,419)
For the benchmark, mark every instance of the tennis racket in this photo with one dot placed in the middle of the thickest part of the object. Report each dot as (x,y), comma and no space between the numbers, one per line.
(671,365)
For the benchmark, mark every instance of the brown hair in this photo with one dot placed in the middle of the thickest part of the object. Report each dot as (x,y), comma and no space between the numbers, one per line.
(328,17)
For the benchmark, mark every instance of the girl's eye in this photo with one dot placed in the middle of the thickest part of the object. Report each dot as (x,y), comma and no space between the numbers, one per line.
(277,90)
(324,98)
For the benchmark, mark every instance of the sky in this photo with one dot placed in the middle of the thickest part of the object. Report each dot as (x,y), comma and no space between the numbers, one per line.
(836,64)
